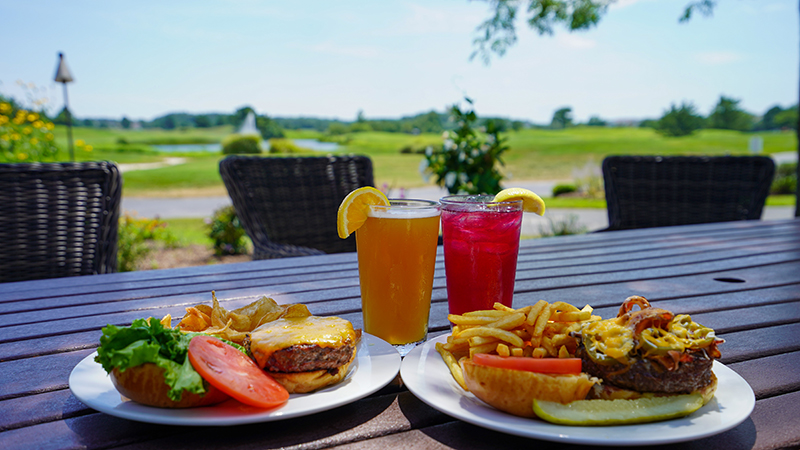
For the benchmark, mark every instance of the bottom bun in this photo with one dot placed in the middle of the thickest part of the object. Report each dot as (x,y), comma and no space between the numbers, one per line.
(145,384)
(513,391)
(609,392)
(303,382)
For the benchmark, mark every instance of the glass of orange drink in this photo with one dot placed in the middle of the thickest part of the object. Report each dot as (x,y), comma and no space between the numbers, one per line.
(396,256)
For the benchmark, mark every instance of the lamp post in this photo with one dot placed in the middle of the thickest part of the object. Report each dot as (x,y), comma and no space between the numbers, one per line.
(64,76)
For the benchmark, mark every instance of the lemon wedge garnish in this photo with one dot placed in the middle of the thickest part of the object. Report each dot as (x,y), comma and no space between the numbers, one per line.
(530,201)
(618,412)
(355,207)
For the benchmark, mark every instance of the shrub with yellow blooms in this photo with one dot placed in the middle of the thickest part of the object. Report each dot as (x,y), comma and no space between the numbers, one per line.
(25,136)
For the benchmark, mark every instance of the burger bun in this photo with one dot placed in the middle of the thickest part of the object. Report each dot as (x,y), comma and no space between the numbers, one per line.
(513,391)
(304,382)
(145,384)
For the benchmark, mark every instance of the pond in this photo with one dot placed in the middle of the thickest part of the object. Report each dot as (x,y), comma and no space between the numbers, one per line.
(311,144)
(316,145)
(189,148)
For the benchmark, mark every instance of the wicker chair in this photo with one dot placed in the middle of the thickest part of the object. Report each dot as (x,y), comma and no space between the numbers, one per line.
(58,219)
(288,206)
(655,191)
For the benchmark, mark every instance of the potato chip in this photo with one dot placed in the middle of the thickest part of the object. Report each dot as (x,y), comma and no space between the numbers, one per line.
(235,325)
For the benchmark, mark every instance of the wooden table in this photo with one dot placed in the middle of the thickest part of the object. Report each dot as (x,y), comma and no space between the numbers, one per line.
(740,278)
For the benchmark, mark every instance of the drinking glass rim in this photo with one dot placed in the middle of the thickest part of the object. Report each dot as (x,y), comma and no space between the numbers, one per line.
(409,205)
(475,199)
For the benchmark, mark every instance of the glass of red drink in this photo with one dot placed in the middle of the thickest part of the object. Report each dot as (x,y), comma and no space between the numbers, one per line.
(481,244)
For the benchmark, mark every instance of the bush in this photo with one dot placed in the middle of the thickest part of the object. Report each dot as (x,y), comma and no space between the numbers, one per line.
(25,136)
(468,161)
(237,144)
(285,146)
(681,121)
(227,233)
(568,226)
(560,189)
(589,180)
(136,238)
(785,181)
(412,149)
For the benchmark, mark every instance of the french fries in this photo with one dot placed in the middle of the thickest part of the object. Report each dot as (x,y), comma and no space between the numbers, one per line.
(538,331)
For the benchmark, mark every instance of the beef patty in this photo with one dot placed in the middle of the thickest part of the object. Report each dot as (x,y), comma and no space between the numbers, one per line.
(646,375)
(307,358)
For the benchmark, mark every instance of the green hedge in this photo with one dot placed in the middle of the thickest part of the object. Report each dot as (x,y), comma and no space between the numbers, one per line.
(236,144)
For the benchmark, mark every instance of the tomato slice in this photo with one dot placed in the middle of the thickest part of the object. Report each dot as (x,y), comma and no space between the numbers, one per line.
(234,373)
(541,365)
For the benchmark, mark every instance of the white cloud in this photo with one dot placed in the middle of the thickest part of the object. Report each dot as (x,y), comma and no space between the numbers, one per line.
(619,4)
(574,41)
(717,58)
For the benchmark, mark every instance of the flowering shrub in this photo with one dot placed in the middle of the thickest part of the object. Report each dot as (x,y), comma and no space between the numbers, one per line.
(227,233)
(25,136)
(136,238)
(468,162)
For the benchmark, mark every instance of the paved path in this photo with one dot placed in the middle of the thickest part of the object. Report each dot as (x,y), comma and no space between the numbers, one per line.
(590,218)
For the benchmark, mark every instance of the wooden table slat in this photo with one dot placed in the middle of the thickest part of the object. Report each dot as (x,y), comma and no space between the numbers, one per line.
(741,278)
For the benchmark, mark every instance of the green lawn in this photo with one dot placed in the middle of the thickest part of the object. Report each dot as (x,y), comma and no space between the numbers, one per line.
(534,154)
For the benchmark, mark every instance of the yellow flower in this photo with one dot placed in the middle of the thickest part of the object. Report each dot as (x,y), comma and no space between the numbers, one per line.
(22,156)
(34,141)
(3,119)
(27,130)
(5,107)
(38,124)
(49,136)
(15,136)
(32,117)
(50,125)
(80,143)
(18,121)
(88,148)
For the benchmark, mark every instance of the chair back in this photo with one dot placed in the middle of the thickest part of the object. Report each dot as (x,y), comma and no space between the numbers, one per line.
(58,219)
(655,191)
(288,205)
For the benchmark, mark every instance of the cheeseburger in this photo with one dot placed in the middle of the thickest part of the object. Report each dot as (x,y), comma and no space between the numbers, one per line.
(304,354)
(648,352)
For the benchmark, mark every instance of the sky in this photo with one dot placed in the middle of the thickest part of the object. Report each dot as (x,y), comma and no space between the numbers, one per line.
(389,59)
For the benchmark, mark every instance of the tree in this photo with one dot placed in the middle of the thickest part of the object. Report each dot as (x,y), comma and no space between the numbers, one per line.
(562,118)
(238,117)
(681,121)
(728,116)
(169,122)
(268,128)
(498,32)
(595,121)
(126,123)
(787,119)
(202,121)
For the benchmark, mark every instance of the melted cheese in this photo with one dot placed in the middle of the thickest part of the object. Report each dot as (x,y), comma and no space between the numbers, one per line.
(283,333)
(611,338)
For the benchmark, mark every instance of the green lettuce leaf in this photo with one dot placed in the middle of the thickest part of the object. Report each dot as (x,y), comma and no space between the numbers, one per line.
(126,347)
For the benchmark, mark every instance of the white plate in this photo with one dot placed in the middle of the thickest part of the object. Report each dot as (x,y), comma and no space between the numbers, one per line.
(376,364)
(426,375)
